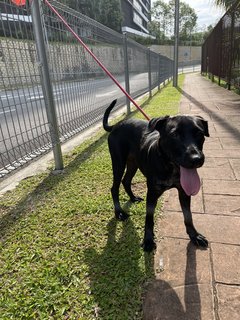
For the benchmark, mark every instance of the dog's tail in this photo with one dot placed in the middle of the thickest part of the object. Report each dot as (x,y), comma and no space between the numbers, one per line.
(106,115)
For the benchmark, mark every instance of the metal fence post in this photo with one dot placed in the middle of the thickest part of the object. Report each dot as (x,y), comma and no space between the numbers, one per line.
(159,74)
(230,58)
(127,84)
(176,36)
(46,84)
(149,73)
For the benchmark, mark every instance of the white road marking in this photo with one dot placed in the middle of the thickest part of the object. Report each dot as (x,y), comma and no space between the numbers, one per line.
(7,111)
(35,98)
(106,94)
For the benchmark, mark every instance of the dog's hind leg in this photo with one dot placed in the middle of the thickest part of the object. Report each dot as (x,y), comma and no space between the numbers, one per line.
(185,202)
(118,167)
(127,180)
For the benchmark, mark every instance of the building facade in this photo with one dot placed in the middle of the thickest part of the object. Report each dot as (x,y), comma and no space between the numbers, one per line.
(136,15)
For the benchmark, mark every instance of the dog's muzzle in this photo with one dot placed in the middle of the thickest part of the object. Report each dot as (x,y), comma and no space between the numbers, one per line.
(193,158)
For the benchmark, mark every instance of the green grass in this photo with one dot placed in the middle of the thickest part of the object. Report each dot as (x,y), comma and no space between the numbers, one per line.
(63,255)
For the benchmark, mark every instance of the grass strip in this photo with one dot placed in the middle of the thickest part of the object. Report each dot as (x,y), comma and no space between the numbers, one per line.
(63,254)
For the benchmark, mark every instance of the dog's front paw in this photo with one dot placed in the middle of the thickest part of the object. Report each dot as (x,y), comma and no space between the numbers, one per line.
(121,216)
(148,245)
(199,240)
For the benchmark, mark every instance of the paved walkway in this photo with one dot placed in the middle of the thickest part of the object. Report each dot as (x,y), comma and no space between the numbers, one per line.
(194,284)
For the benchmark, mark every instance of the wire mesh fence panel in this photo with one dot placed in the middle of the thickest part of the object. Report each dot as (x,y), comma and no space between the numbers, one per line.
(166,68)
(24,131)
(83,90)
(154,67)
(221,50)
(161,69)
(138,68)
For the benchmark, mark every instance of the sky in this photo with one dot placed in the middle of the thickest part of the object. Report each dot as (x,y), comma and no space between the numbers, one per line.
(206,11)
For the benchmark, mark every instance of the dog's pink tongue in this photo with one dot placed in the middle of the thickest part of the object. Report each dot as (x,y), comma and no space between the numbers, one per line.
(190,181)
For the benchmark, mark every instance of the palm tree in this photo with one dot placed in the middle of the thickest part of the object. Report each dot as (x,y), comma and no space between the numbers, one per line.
(225,3)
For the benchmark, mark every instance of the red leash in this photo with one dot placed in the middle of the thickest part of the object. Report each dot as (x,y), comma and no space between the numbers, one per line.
(96,59)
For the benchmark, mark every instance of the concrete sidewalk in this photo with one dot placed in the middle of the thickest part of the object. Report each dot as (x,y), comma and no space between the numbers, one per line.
(194,284)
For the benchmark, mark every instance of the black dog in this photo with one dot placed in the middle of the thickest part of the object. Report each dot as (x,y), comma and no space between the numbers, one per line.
(167,150)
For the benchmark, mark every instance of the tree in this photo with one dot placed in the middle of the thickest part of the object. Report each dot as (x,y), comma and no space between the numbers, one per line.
(110,14)
(161,22)
(187,20)
(163,17)
(86,7)
(107,12)
(225,3)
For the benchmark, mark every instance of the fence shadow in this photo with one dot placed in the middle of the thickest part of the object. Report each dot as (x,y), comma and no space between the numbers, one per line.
(162,301)
(15,214)
(226,124)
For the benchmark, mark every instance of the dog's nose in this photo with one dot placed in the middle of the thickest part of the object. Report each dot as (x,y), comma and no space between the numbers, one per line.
(197,159)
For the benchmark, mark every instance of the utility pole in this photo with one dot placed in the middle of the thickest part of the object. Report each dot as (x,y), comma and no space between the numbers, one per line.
(176,38)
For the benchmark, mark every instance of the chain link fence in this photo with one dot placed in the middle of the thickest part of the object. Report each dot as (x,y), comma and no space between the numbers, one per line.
(221,50)
(81,90)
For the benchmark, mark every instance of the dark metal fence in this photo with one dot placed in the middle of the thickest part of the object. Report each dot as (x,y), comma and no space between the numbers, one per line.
(81,90)
(221,50)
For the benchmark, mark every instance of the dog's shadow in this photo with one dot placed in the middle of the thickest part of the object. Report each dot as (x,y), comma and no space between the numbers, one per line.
(117,272)
(163,302)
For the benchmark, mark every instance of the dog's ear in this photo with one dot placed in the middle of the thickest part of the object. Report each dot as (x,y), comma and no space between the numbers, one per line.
(158,124)
(204,124)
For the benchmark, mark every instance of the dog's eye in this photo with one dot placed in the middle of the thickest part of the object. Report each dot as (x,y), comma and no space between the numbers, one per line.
(173,133)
